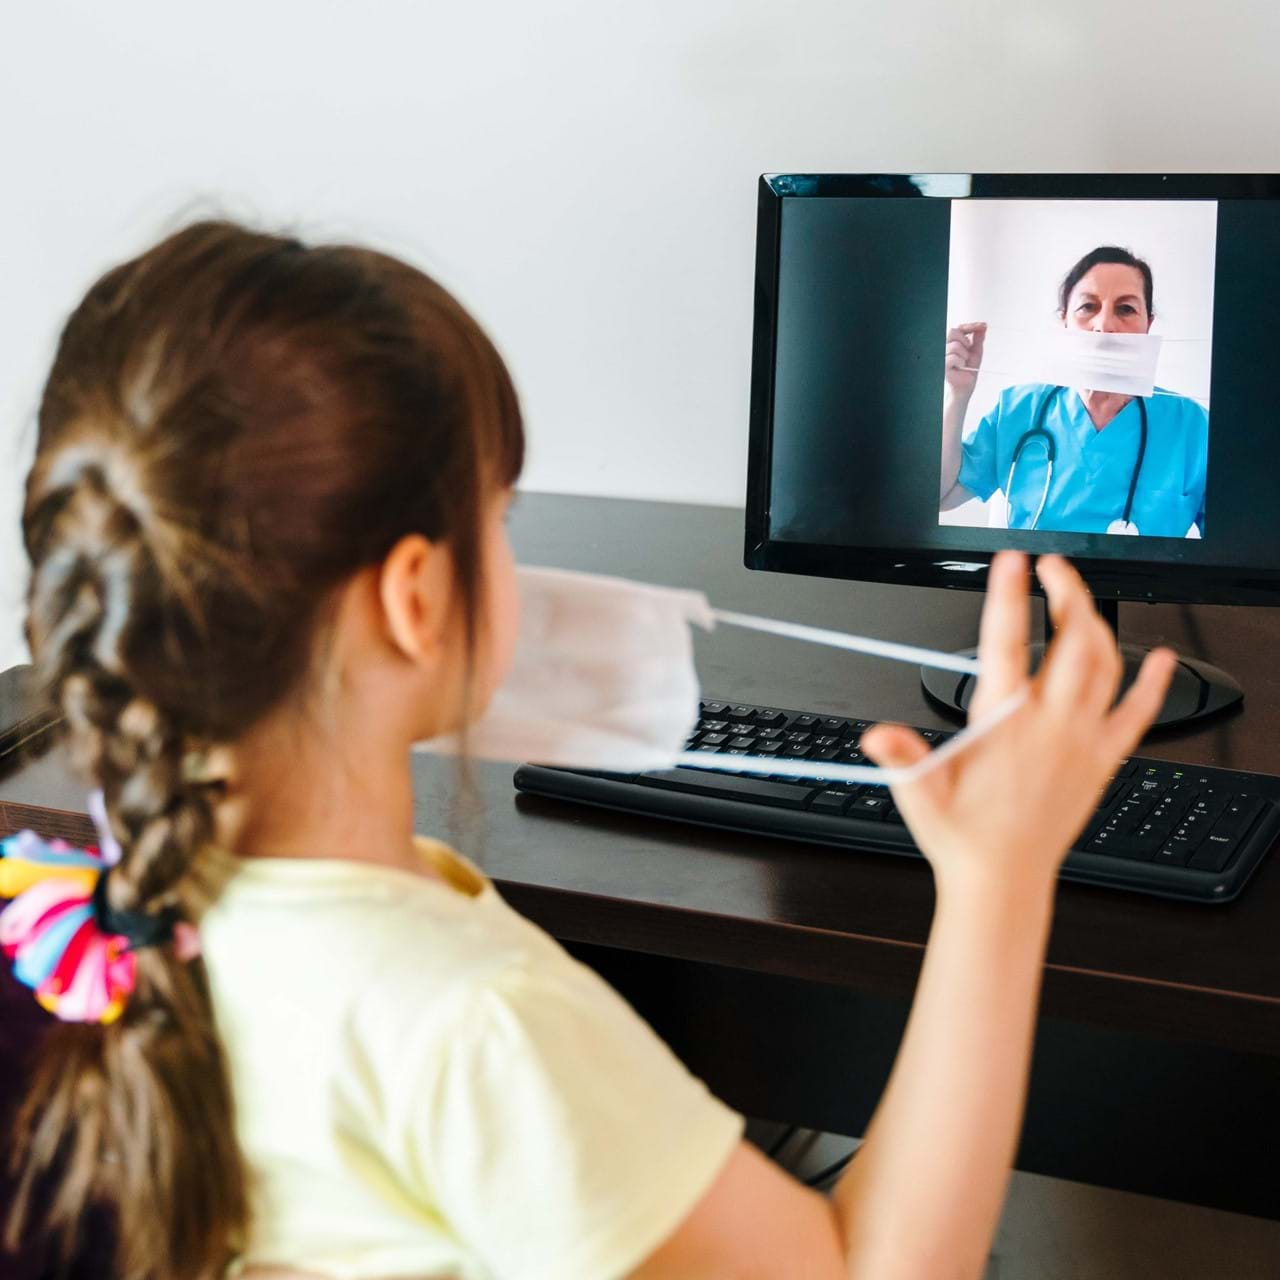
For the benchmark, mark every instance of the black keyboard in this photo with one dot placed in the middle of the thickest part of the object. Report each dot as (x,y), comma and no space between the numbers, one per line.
(1179,831)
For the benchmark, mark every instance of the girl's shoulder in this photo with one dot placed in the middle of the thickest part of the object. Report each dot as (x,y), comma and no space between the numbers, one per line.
(339,940)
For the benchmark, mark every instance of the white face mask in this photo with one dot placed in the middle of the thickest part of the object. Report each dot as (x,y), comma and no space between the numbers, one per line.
(1118,362)
(603,678)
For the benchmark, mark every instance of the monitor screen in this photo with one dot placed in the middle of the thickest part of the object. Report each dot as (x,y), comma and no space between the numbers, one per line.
(946,365)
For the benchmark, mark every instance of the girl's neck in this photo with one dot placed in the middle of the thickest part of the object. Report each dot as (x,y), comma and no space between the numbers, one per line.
(299,796)
(1103,406)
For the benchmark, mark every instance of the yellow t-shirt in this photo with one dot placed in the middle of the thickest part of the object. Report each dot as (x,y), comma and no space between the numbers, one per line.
(426,1084)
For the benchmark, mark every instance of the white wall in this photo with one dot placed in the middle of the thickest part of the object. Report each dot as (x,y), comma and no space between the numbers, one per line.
(581,172)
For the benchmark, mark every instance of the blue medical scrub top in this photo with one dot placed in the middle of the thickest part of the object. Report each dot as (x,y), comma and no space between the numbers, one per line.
(1093,468)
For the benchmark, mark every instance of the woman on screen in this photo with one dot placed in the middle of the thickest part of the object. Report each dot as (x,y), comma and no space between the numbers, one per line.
(1075,459)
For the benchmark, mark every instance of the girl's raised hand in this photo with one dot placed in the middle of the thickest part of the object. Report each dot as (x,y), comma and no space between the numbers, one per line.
(1008,808)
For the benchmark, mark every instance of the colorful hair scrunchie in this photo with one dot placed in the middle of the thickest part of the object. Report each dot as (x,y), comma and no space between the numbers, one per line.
(65,943)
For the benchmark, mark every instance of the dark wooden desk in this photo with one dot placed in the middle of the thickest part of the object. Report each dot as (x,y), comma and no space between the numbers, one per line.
(782,972)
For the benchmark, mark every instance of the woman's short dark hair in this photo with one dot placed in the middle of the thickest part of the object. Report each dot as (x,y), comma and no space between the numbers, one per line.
(1103,255)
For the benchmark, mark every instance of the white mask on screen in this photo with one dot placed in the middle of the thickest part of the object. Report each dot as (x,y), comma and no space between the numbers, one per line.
(1120,362)
(1117,362)
(603,678)
(1124,363)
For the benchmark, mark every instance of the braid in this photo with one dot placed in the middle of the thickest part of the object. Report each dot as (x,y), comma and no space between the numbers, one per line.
(98,570)
(113,1108)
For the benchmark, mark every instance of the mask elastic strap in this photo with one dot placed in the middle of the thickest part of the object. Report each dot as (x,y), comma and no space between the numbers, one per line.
(857,644)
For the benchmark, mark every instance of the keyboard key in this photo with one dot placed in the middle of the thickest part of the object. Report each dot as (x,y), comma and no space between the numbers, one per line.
(796,751)
(727,786)
(833,801)
(742,743)
(740,712)
(714,739)
(870,804)
(828,740)
(1240,814)
(894,816)
(804,722)
(1212,802)
(714,708)
(1128,815)
(1172,855)
(770,719)
(833,724)
(766,748)
(1122,846)
(1216,851)
(713,726)
(1169,810)
(1181,845)
(825,753)
(767,735)
(798,735)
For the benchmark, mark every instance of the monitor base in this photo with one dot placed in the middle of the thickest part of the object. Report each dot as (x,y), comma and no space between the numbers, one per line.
(1198,689)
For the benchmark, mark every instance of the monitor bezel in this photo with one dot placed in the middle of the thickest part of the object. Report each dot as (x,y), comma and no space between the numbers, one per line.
(951,568)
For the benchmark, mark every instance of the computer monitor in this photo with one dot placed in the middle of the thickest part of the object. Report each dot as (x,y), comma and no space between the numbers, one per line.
(945,365)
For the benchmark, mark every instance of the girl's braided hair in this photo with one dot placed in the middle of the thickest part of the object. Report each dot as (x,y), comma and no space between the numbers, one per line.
(234,424)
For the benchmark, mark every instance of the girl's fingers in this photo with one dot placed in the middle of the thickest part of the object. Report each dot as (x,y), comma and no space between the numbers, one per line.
(893,746)
(1082,667)
(1138,708)
(1004,631)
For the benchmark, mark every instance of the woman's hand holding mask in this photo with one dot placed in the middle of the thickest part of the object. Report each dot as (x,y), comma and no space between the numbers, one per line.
(963,358)
(1007,810)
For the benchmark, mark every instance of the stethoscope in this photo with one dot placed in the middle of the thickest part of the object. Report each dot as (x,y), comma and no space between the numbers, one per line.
(1038,432)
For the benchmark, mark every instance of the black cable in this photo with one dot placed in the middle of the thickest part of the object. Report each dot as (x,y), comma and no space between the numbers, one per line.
(831,1170)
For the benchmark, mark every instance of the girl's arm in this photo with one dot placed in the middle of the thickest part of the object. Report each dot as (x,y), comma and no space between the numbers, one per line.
(923,1195)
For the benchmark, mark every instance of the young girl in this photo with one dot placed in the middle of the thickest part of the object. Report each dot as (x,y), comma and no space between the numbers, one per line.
(265,523)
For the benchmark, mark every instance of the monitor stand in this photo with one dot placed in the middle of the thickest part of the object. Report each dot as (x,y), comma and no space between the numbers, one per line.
(1198,689)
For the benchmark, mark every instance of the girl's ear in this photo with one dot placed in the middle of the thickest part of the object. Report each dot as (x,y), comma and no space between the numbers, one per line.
(415,587)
